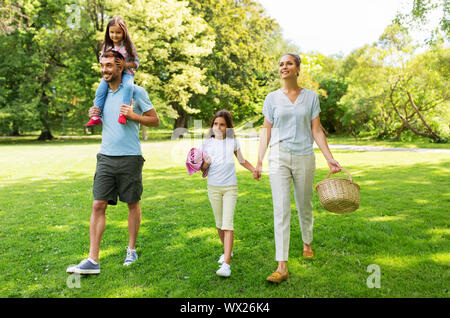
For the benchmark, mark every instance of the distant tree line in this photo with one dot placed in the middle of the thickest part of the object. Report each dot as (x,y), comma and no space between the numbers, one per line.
(200,56)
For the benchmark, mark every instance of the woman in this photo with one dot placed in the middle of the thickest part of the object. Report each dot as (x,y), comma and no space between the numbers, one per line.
(291,124)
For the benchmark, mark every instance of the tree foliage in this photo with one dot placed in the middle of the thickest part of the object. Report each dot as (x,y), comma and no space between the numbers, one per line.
(199,56)
(392,89)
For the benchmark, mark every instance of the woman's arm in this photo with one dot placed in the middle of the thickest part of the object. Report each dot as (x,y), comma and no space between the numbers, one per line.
(264,140)
(247,165)
(321,142)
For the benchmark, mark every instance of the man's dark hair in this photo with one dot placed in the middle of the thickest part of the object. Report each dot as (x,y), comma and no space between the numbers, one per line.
(112,53)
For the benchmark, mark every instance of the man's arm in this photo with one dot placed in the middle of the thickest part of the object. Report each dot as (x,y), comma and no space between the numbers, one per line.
(149,118)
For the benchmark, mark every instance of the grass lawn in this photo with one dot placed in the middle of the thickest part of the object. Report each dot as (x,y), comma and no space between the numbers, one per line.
(402,226)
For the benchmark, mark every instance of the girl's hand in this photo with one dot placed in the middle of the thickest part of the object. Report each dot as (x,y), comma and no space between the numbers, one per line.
(206,163)
(335,167)
(120,62)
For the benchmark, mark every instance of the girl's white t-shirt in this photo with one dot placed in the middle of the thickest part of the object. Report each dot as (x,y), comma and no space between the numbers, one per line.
(222,171)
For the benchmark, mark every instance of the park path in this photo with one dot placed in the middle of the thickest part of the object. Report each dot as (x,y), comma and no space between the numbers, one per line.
(379,148)
(363,148)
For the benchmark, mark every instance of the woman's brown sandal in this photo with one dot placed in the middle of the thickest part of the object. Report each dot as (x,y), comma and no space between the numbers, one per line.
(277,277)
(308,254)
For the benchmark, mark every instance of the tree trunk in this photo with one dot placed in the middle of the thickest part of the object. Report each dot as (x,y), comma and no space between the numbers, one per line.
(182,120)
(43,116)
(432,133)
(46,135)
(406,124)
(399,131)
(15,129)
(144,133)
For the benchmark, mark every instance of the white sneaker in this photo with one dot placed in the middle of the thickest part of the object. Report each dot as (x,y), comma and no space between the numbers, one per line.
(224,270)
(222,258)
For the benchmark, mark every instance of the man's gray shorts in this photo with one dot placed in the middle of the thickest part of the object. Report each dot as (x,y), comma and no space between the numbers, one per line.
(118,176)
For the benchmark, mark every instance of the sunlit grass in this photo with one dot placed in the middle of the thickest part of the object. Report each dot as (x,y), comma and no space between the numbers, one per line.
(402,225)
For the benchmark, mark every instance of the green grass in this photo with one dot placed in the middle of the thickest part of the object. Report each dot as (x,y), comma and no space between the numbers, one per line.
(46,196)
(370,141)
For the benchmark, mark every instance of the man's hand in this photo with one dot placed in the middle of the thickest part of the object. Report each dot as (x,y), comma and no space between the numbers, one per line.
(94,111)
(127,110)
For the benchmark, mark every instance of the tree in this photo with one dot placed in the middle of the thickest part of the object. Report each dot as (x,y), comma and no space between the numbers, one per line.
(171,42)
(239,70)
(421,16)
(23,35)
(38,62)
(405,89)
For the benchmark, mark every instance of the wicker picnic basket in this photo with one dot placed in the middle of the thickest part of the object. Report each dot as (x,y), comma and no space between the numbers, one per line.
(338,195)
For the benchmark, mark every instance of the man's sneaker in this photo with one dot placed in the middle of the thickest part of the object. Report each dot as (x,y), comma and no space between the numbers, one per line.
(94,121)
(224,270)
(222,258)
(86,267)
(131,257)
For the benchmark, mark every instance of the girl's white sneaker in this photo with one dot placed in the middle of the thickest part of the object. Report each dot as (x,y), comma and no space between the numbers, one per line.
(222,258)
(224,270)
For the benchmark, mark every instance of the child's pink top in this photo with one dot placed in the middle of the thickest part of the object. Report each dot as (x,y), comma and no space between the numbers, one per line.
(122,50)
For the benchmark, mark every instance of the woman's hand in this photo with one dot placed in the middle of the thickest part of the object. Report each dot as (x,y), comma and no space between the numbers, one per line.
(335,167)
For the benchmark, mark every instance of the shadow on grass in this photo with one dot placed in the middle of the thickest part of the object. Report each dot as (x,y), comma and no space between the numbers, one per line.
(32,140)
(401,225)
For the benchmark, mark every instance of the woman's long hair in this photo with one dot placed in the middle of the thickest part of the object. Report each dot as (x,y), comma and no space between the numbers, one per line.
(128,43)
(225,114)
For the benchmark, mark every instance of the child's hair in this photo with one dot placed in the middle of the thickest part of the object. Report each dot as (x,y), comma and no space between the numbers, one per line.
(129,46)
(225,114)
(112,53)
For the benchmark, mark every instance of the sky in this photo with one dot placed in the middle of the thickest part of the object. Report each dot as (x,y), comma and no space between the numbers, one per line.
(333,26)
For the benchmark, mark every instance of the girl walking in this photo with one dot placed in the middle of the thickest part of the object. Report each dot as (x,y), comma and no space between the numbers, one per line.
(221,147)
(118,39)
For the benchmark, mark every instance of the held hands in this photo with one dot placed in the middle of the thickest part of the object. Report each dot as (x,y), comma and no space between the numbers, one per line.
(257,172)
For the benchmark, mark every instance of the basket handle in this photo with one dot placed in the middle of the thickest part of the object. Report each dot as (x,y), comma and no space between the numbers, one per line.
(329,173)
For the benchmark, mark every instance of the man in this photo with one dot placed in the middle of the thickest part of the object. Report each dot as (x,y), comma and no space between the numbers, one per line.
(119,162)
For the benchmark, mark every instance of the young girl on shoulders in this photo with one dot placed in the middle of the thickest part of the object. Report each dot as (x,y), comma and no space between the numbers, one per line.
(221,147)
(118,39)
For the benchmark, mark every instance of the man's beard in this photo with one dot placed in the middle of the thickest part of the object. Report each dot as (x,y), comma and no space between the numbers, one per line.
(111,79)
